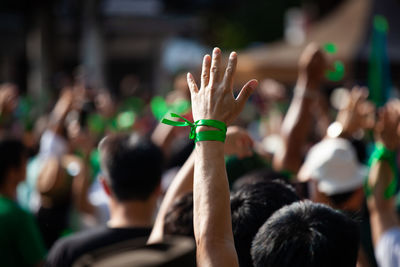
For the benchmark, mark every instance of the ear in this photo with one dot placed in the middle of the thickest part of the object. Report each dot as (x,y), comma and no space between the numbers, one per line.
(105,185)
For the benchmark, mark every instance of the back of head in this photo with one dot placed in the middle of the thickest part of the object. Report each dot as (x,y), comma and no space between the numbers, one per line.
(132,165)
(12,153)
(265,174)
(251,206)
(306,234)
(179,218)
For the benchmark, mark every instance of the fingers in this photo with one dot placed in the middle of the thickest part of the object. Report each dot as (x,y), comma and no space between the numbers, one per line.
(215,71)
(230,70)
(245,93)
(205,72)
(191,83)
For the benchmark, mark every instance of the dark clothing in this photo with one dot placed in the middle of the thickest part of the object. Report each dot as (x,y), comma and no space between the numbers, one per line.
(52,223)
(66,250)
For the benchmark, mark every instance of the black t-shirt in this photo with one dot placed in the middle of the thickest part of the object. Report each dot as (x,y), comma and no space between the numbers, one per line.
(66,250)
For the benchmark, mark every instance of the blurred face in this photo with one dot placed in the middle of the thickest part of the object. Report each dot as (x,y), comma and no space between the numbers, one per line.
(19,174)
(8,98)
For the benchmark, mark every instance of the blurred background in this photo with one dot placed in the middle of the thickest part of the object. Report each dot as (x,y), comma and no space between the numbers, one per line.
(143,43)
(73,71)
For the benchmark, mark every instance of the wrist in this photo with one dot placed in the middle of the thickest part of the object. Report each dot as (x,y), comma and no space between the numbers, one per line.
(203,128)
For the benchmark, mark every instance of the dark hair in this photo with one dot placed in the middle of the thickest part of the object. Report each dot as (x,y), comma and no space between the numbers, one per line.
(265,174)
(179,218)
(12,152)
(251,206)
(132,165)
(306,234)
(341,198)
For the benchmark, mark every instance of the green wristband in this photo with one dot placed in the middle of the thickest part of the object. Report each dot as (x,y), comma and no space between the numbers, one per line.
(210,136)
(381,153)
(217,135)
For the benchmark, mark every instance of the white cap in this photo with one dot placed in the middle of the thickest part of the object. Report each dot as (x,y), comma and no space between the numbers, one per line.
(334,165)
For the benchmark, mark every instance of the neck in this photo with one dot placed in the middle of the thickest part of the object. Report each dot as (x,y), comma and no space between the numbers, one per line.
(9,190)
(131,213)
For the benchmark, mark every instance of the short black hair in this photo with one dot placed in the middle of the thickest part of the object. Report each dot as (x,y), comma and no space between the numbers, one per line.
(251,206)
(12,152)
(265,174)
(179,218)
(306,234)
(132,165)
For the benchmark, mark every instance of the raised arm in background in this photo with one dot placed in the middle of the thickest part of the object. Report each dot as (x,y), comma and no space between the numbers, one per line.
(238,142)
(212,216)
(60,111)
(382,211)
(297,123)
(357,114)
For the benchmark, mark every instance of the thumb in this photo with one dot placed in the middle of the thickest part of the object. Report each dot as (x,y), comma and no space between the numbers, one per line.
(245,93)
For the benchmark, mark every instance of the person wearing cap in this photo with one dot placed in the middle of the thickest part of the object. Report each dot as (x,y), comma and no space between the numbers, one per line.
(334,174)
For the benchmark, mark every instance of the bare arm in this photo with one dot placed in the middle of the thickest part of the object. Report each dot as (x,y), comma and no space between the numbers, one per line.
(297,122)
(182,183)
(212,217)
(238,142)
(382,211)
(60,111)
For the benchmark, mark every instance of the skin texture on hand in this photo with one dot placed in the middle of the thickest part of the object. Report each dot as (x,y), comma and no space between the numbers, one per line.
(214,99)
(212,215)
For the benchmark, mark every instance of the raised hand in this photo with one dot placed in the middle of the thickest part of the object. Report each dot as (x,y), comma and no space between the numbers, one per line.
(358,113)
(214,99)
(238,142)
(386,129)
(312,66)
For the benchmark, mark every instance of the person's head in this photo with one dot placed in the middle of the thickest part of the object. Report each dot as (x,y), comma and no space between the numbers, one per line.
(306,234)
(334,173)
(131,167)
(262,175)
(13,159)
(251,206)
(179,218)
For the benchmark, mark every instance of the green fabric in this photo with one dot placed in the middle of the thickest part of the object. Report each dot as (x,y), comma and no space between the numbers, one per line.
(20,240)
(381,153)
(218,135)
(210,136)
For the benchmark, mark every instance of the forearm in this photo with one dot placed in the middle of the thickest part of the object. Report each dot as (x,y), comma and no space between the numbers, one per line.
(294,132)
(212,218)
(382,213)
(182,183)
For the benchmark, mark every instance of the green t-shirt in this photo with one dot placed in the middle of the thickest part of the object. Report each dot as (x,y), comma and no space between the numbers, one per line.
(20,240)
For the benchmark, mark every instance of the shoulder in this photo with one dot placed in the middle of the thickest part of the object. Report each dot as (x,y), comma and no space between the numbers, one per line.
(67,249)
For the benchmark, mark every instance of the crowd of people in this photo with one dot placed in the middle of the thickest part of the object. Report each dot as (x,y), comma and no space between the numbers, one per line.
(251,177)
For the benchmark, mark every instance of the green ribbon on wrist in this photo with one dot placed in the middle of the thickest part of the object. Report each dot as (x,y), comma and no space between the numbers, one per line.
(381,153)
(217,135)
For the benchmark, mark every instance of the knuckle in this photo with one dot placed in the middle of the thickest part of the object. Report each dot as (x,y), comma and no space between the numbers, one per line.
(214,69)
